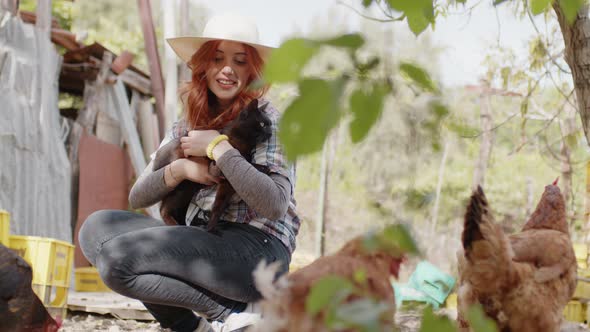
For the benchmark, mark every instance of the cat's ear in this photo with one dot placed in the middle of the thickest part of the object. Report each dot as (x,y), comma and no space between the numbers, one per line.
(253,106)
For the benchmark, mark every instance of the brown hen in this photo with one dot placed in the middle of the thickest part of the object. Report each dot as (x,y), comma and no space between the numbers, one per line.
(20,309)
(523,281)
(284,308)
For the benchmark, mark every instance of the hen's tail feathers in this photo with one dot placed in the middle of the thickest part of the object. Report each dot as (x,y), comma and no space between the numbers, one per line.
(266,282)
(487,249)
(477,210)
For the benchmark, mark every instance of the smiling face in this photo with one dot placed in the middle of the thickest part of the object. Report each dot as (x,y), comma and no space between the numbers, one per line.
(229,71)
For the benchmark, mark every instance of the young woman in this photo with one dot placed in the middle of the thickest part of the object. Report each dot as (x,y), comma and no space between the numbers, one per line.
(178,270)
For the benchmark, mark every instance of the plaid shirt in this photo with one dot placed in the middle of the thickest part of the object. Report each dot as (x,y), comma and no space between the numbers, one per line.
(268,153)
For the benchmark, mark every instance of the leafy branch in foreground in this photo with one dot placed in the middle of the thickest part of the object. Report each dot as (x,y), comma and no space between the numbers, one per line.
(358,91)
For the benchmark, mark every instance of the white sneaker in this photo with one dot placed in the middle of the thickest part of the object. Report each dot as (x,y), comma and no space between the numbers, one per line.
(237,321)
(204,326)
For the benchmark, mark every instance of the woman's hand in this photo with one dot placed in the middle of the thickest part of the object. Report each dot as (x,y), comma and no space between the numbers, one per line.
(195,144)
(196,169)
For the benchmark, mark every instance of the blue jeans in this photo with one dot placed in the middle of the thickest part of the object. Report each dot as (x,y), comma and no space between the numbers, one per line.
(175,270)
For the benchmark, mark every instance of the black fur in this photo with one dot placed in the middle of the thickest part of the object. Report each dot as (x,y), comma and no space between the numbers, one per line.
(251,127)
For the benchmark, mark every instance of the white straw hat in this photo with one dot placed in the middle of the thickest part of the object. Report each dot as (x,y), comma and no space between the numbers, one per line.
(232,27)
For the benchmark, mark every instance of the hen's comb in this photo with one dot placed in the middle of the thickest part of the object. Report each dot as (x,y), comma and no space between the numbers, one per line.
(555,182)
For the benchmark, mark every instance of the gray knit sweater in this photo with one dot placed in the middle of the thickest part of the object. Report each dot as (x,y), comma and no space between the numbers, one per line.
(268,195)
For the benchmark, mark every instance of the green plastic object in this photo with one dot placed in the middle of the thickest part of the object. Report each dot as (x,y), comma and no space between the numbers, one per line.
(431,281)
(407,295)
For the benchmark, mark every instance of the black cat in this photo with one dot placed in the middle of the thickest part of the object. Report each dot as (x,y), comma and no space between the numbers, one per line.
(251,127)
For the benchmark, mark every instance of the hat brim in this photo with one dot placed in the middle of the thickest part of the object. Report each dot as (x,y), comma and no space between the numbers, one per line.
(185,47)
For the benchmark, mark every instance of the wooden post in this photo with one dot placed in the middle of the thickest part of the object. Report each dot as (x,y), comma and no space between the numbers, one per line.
(44,16)
(170,66)
(320,235)
(10,5)
(184,73)
(151,48)
(587,203)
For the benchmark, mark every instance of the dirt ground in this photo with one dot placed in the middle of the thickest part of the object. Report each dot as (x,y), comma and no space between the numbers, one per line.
(83,322)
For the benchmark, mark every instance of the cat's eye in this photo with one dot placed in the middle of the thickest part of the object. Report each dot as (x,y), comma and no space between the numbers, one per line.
(262,124)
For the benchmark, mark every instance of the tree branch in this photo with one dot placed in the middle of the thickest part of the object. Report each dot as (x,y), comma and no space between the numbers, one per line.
(530,16)
(390,19)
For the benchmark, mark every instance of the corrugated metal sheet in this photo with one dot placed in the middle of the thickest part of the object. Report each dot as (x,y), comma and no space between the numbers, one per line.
(35,175)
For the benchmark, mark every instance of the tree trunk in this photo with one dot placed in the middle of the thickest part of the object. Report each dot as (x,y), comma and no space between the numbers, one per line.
(487,140)
(441,172)
(567,128)
(576,38)
(529,197)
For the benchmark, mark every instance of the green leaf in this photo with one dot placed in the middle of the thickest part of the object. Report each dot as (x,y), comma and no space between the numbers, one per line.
(305,124)
(256,84)
(571,140)
(420,13)
(417,22)
(497,2)
(439,109)
(363,314)
(325,291)
(371,64)
(478,320)
(539,6)
(393,239)
(366,108)
(367,3)
(352,41)
(286,62)
(505,74)
(432,322)
(412,6)
(400,236)
(360,276)
(570,9)
(462,129)
(418,76)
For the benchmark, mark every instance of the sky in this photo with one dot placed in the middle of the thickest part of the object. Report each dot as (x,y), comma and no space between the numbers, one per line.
(464,39)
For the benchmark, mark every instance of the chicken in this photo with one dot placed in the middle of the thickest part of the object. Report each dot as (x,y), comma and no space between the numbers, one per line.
(545,240)
(519,280)
(20,309)
(284,306)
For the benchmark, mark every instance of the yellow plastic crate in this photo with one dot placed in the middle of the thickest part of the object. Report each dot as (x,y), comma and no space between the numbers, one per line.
(581,251)
(51,261)
(4,227)
(575,311)
(582,288)
(55,299)
(88,280)
(451,301)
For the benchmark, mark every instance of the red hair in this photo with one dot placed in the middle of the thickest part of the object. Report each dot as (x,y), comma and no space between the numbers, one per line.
(197,98)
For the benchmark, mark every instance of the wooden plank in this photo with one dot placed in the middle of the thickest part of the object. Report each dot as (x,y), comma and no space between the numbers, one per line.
(151,49)
(110,303)
(136,81)
(30,17)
